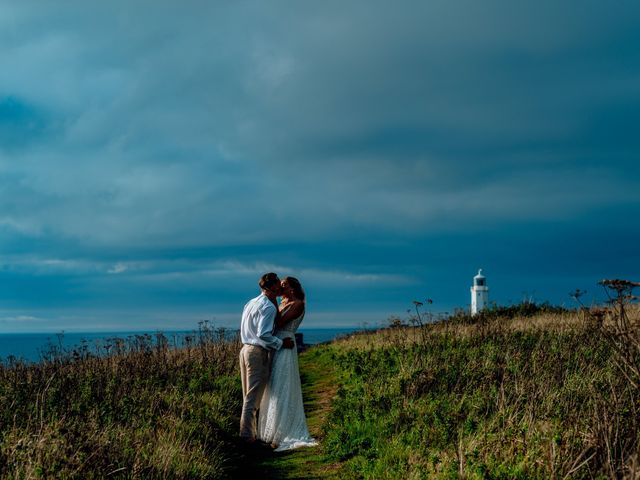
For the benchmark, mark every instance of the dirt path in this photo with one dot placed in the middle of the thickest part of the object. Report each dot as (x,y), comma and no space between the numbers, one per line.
(319,385)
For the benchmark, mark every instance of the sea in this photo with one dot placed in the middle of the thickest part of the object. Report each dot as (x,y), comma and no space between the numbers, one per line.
(32,347)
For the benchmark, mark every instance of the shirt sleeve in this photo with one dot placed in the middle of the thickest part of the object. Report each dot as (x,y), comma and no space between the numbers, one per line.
(265,329)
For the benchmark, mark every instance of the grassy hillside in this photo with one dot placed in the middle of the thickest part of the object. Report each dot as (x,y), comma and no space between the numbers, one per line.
(515,393)
(552,395)
(145,411)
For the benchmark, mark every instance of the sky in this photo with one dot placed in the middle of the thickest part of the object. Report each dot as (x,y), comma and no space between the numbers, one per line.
(157,157)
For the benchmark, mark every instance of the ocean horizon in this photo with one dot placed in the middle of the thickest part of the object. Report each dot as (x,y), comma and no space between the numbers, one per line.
(31,347)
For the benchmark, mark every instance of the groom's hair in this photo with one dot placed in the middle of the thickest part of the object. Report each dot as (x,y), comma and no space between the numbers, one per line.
(268,280)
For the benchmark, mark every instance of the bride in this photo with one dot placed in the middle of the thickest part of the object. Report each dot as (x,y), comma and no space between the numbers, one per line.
(282,422)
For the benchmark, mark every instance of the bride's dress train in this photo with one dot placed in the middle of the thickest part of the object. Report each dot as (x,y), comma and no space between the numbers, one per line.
(282,421)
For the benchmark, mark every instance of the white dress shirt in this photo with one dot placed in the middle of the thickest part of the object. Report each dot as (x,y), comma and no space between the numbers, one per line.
(256,327)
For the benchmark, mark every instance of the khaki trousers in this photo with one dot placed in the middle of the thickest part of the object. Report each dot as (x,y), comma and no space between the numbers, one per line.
(254,372)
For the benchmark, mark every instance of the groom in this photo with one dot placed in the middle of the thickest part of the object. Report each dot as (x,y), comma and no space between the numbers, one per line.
(256,329)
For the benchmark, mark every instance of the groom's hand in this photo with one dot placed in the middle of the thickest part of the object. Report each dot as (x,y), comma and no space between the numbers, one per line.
(288,343)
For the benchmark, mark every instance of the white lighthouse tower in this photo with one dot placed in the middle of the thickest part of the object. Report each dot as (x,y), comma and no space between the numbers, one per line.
(479,293)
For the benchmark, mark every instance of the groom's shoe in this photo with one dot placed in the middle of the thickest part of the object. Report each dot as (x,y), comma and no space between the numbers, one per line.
(263,445)
(255,444)
(248,440)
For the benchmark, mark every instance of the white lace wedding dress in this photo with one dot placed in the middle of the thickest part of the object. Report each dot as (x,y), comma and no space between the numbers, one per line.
(281,420)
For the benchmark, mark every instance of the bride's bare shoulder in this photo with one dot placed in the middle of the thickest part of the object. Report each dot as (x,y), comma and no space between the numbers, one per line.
(297,305)
(288,303)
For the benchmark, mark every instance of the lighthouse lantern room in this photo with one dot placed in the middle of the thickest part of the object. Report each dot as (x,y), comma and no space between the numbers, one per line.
(479,293)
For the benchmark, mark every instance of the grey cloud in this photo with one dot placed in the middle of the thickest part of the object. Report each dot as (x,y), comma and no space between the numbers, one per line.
(20,123)
(183,124)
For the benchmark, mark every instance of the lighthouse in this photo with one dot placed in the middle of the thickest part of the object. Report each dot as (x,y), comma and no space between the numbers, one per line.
(479,293)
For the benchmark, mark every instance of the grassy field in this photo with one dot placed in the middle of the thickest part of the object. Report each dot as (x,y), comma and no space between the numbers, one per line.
(144,411)
(526,392)
(549,395)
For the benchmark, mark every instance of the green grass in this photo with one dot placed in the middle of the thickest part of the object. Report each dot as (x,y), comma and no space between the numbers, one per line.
(531,394)
(491,399)
(146,411)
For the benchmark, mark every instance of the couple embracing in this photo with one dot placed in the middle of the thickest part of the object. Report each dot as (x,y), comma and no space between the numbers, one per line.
(272,409)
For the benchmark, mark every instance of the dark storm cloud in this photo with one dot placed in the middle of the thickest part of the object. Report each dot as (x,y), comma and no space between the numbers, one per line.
(172,145)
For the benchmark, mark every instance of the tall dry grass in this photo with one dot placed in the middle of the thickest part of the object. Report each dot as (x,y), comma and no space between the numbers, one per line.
(542,395)
(140,409)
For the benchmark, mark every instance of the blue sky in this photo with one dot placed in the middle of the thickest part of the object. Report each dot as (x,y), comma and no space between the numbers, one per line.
(157,157)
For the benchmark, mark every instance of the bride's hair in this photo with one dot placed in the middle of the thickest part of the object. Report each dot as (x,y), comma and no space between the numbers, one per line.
(294,283)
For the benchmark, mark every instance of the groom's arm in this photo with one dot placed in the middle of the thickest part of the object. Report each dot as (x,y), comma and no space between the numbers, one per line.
(265,329)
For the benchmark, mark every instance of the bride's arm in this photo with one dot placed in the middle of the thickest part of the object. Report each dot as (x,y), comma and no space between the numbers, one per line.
(292,312)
